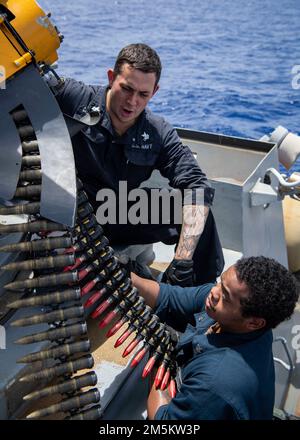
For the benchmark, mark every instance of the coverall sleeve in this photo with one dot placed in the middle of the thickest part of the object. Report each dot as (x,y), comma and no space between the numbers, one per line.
(72,96)
(196,401)
(177,163)
(177,305)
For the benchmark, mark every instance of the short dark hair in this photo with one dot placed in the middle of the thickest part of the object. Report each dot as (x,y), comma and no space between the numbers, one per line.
(274,291)
(141,57)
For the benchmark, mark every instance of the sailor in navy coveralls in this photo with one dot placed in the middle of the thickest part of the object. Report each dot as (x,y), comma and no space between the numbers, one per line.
(225,351)
(127,144)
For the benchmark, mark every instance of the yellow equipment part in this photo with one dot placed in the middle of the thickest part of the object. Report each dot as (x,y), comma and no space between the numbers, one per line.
(35,29)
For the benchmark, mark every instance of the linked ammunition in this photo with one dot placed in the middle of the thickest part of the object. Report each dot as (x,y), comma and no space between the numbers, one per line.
(172,388)
(26,131)
(28,208)
(144,317)
(57,352)
(93,236)
(90,252)
(44,281)
(46,244)
(151,343)
(68,386)
(93,413)
(166,379)
(82,198)
(65,332)
(28,192)
(144,327)
(47,299)
(94,297)
(162,368)
(115,296)
(30,175)
(19,115)
(115,280)
(30,146)
(85,210)
(82,399)
(84,226)
(158,353)
(31,161)
(121,308)
(61,369)
(98,278)
(128,314)
(56,315)
(36,226)
(41,263)
(98,262)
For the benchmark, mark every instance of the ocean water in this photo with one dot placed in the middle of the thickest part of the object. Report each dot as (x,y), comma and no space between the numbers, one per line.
(227,65)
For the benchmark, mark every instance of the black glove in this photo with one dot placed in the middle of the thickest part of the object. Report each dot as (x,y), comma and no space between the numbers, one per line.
(133,266)
(179,272)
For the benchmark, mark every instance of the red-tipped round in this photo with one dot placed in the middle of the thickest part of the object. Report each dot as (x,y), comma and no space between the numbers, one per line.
(77,263)
(165,380)
(148,367)
(139,357)
(83,273)
(172,388)
(131,346)
(88,287)
(108,318)
(116,327)
(123,338)
(100,309)
(94,298)
(70,250)
(159,375)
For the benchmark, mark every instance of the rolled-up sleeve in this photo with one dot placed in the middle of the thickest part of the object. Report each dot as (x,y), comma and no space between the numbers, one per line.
(177,305)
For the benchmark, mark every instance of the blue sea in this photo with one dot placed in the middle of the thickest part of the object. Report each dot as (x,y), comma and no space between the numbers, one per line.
(229,66)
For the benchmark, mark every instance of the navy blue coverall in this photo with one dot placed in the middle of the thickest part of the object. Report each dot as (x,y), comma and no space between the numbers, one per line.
(103,158)
(225,376)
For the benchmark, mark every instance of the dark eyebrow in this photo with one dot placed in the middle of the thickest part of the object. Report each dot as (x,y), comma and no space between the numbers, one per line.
(145,92)
(224,290)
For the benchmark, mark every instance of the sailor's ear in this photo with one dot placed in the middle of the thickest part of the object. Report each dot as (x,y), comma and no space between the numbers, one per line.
(155,89)
(111,76)
(254,323)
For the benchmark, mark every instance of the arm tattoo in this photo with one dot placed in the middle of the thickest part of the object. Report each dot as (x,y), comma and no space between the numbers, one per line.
(194,218)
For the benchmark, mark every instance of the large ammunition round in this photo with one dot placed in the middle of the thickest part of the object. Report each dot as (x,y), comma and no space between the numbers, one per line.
(30,147)
(93,413)
(68,386)
(56,352)
(42,263)
(77,329)
(82,399)
(61,369)
(26,131)
(47,244)
(56,315)
(30,175)
(31,161)
(19,115)
(28,192)
(47,299)
(44,281)
(28,208)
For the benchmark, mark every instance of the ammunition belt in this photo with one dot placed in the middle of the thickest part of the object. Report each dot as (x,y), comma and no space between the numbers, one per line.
(78,263)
